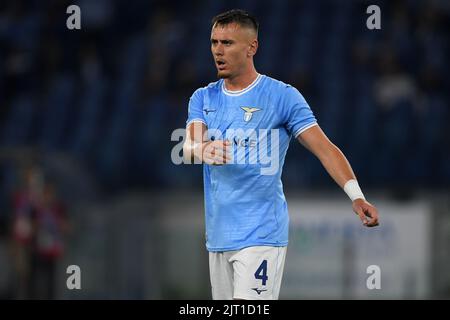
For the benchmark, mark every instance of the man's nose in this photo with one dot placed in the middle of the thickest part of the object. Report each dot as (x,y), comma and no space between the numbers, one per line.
(218,50)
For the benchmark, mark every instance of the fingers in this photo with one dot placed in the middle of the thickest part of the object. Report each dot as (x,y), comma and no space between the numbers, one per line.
(368,216)
(362,216)
(220,152)
(217,152)
(373,215)
(366,212)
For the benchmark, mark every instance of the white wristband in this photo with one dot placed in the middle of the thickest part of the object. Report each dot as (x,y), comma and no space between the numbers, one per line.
(353,190)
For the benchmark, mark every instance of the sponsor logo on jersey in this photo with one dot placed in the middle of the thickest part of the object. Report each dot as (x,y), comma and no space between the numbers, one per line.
(258,291)
(209,110)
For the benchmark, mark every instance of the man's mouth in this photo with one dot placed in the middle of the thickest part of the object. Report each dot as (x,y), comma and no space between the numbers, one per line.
(220,64)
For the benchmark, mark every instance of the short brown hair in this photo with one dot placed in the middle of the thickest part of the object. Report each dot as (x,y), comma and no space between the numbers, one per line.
(241,17)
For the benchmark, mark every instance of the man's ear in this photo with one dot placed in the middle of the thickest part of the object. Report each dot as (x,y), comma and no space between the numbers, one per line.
(253,47)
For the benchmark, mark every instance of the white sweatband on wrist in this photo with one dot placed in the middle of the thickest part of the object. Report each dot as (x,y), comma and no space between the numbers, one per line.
(353,190)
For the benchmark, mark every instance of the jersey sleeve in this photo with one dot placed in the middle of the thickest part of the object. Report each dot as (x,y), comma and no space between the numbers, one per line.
(195,109)
(297,114)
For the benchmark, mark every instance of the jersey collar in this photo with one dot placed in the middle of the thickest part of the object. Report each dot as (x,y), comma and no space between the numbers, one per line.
(241,92)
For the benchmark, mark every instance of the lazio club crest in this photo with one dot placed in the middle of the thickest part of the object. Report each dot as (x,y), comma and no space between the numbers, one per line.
(249,113)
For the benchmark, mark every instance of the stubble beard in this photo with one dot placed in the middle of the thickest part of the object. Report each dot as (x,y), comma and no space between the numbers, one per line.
(222,75)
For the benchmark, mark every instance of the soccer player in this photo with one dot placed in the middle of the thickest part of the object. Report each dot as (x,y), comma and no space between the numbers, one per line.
(246,211)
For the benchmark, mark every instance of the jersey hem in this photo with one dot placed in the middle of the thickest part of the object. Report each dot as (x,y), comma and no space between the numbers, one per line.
(233,248)
(195,120)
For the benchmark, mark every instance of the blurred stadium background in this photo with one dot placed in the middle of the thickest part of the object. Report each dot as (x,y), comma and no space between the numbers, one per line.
(90,113)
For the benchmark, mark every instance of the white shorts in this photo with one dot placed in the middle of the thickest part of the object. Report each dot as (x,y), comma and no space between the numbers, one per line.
(252,273)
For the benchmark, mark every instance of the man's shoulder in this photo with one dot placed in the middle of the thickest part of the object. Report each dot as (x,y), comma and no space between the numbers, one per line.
(212,86)
(276,84)
(279,89)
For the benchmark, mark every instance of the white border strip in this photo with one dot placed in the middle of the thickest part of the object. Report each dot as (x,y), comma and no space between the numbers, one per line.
(240,92)
(304,128)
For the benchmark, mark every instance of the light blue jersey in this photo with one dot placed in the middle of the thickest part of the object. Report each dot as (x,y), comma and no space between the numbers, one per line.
(244,201)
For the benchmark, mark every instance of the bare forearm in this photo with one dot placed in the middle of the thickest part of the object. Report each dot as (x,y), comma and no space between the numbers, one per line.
(190,149)
(197,149)
(337,165)
(188,154)
(340,170)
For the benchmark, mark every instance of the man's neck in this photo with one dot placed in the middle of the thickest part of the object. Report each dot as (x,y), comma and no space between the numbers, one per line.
(241,82)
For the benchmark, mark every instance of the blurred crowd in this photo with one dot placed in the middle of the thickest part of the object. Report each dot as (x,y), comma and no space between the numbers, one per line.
(109,95)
